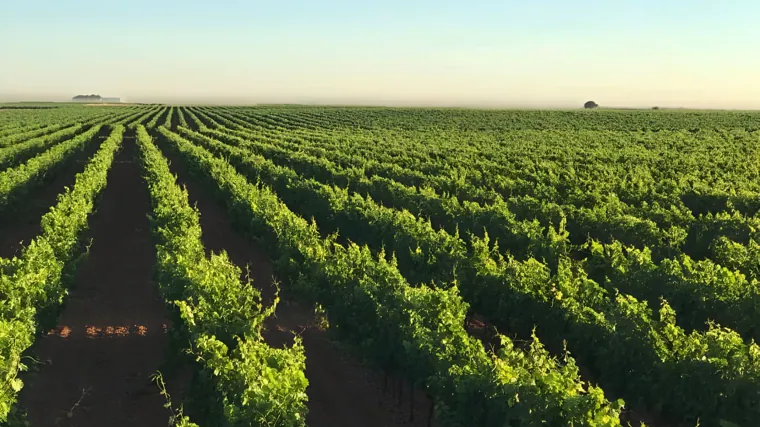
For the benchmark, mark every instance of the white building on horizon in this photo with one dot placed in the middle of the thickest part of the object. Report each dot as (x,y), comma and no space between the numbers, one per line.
(95,98)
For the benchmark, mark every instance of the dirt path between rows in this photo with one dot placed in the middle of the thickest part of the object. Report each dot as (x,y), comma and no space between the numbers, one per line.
(342,392)
(191,123)
(18,228)
(111,336)
(162,117)
(175,118)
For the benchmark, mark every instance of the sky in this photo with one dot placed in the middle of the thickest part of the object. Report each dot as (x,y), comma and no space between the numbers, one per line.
(521,54)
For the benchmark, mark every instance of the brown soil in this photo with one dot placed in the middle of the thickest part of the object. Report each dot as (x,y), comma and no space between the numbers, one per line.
(97,365)
(18,228)
(479,327)
(342,391)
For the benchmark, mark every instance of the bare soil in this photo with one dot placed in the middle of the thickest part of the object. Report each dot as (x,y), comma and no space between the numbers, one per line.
(97,364)
(342,391)
(18,228)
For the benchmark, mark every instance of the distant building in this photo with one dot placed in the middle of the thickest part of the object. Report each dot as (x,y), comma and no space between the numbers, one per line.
(94,98)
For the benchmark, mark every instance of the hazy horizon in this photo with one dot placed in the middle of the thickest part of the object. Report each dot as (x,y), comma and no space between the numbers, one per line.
(548,54)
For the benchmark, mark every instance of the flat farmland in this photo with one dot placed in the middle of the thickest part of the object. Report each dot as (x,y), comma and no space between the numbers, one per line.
(347,266)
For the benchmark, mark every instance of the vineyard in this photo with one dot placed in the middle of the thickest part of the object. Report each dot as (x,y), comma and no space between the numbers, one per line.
(335,266)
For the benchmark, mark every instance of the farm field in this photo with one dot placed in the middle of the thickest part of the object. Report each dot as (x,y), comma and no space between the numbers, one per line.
(347,266)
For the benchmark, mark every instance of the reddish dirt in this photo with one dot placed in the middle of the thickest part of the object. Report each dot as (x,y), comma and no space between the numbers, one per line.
(342,391)
(479,327)
(112,332)
(18,228)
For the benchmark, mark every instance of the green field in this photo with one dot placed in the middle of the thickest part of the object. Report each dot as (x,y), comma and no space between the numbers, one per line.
(331,266)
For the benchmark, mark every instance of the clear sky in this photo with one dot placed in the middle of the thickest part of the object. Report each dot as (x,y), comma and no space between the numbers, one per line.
(544,53)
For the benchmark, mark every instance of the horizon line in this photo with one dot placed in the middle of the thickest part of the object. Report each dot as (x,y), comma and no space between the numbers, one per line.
(489,105)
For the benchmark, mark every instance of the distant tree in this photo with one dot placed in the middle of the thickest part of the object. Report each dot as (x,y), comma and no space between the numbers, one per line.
(590,104)
(91,97)
(655,108)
